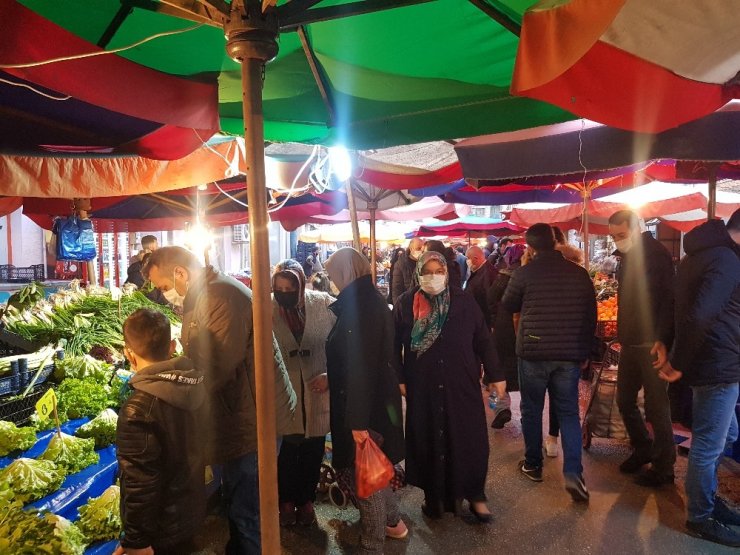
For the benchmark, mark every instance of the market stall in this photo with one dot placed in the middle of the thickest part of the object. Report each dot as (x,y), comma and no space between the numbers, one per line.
(61,382)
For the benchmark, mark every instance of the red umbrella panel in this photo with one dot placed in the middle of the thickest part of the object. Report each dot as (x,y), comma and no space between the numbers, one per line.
(655,200)
(104,104)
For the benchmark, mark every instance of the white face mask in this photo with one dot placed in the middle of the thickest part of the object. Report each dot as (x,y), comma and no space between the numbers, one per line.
(433,284)
(172,296)
(624,245)
(416,254)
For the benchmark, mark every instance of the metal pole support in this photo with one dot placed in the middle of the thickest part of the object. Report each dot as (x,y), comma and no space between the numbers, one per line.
(252,41)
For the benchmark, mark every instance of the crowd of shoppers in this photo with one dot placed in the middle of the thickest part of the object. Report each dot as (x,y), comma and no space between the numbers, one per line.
(518,317)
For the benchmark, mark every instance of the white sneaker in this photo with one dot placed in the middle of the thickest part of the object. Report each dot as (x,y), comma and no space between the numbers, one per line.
(551,446)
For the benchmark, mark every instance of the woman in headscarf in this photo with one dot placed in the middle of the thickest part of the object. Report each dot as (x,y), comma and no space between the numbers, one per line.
(441,337)
(302,322)
(363,389)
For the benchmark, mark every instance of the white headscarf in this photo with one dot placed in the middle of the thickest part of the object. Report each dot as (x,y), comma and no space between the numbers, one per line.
(345,266)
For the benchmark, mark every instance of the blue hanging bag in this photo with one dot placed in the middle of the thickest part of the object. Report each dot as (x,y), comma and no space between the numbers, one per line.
(75,239)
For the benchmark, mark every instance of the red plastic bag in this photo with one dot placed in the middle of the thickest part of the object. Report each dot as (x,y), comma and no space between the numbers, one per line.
(373,470)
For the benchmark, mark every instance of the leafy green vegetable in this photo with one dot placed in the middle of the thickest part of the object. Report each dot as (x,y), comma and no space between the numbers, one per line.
(31,479)
(78,398)
(100,518)
(71,453)
(102,429)
(27,296)
(81,367)
(29,532)
(41,423)
(13,438)
(84,319)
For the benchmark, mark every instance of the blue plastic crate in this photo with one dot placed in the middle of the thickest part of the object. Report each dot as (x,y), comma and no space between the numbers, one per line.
(15,383)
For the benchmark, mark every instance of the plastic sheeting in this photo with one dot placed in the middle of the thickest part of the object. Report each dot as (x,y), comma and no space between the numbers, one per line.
(77,488)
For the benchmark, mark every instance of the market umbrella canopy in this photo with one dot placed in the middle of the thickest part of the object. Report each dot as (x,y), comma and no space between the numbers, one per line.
(671,202)
(468,226)
(643,66)
(351,72)
(569,149)
(105,104)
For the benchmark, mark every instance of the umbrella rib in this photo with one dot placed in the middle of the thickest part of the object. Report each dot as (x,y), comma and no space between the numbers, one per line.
(115,24)
(318,75)
(191,11)
(497,16)
(316,15)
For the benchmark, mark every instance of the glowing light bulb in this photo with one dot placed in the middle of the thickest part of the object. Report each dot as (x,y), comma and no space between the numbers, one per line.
(340,163)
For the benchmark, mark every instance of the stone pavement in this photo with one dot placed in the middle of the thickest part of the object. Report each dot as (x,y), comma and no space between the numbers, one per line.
(621,518)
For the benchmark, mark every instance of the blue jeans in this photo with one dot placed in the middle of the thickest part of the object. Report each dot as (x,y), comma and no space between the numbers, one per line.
(714,429)
(560,379)
(241,491)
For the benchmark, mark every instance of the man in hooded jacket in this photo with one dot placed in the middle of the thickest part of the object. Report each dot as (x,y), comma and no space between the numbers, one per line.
(706,354)
(160,443)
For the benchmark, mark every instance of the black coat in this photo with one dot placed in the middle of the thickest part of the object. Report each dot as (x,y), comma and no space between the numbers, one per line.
(363,386)
(646,288)
(707,345)
(161,455)
(134,275)
(503,327)
(557,302)
(478,285)
(446,433)
(402,277)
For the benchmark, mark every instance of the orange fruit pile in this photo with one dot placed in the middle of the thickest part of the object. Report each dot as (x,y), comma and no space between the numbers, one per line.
(607,309)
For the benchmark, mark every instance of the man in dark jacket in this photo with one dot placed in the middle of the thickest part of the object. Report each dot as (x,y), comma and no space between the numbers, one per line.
(557,305)
(160,442)
(217,336)
(149,244)
(403,271)
(706,353)
(482,276)
(645,330)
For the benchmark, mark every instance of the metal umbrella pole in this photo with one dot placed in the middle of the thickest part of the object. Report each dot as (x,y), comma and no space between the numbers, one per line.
(357,243)
(712,186)
(373,255)
(252,41)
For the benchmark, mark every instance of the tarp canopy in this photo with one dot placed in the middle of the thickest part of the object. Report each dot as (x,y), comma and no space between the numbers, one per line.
(468,226)
(568,150)
(386,232)
(632,64)
(654,200)
(451,80)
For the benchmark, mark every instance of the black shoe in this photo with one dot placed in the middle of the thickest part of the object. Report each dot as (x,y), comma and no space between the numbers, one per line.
(724,513)
(534,474)
(634,462)
(483,518)
(651,479)
(502,417)
(714,531)
(575,485)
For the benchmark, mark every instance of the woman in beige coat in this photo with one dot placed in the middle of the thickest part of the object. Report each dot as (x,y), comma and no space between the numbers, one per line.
(302,322)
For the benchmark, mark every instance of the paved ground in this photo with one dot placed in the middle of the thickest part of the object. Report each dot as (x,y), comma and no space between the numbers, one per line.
(621,518)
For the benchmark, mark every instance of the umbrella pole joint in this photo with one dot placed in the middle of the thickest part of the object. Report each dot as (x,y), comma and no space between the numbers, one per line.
(250,33)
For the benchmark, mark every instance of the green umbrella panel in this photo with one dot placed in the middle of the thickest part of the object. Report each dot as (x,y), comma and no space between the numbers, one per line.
(420,72)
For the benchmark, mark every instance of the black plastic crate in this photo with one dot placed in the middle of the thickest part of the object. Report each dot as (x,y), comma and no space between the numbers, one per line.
(24,275)
(19,409)
(5,271)
(611,358)
(13,344)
